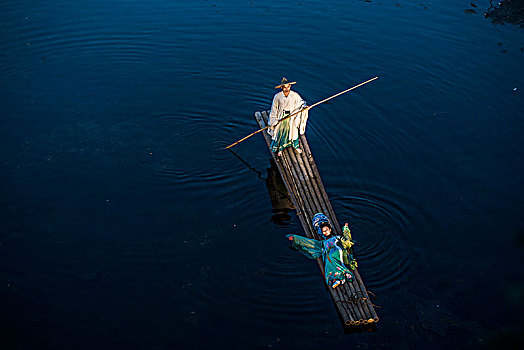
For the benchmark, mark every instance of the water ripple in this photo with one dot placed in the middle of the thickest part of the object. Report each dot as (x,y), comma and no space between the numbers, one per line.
(379,226)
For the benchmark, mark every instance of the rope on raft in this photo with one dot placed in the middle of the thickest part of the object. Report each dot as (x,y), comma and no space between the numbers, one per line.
(355,298)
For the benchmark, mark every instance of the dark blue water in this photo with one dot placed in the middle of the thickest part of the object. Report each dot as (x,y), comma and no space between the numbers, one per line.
(125,225)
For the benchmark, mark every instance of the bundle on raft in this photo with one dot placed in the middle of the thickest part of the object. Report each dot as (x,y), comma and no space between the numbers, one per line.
(302,179)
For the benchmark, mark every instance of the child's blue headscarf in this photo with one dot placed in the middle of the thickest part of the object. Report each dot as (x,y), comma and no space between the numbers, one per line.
(318,220)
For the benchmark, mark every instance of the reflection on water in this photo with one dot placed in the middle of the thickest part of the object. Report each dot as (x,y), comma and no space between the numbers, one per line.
(280,199)
(276,188)
(126,223)
(259,174)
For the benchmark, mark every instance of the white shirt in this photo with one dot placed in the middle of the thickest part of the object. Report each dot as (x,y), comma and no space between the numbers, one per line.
(292,103)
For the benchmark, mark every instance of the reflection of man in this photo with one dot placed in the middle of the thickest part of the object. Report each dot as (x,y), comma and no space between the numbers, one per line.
(285,133)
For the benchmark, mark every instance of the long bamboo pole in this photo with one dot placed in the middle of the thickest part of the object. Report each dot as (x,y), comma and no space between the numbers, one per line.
(302,110)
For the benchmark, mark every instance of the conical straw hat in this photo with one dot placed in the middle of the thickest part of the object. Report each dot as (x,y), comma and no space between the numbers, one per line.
(285,82)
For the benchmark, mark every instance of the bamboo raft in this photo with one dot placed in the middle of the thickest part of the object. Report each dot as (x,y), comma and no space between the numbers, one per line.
(305,187)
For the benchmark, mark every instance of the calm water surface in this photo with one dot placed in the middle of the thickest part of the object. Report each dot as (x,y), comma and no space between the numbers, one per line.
(124,223)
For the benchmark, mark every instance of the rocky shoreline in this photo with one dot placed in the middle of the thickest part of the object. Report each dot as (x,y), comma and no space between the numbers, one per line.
(506,11)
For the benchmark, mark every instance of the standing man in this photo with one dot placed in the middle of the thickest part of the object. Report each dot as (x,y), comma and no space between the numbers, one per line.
(284,133)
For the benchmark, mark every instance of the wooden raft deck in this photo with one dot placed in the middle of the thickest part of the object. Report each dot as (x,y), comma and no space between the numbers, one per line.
(302,180)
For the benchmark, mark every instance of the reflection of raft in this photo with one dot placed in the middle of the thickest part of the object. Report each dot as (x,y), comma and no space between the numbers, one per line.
(300,174)
(280,200)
